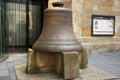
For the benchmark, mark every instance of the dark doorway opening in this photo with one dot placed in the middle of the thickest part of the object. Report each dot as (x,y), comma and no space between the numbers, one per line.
(24,22)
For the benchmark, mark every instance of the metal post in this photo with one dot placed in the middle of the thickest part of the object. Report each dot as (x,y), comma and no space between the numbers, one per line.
(27,23)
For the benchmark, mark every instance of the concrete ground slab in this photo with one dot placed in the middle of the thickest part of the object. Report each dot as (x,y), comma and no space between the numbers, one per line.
(90,73)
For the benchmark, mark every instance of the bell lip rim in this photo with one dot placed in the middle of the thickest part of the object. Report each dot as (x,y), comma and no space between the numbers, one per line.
(61,49)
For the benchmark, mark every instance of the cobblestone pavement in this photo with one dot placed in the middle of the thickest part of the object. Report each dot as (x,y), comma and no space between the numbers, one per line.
(7,67)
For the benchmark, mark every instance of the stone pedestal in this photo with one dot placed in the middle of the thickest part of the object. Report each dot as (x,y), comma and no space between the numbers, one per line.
(66,64)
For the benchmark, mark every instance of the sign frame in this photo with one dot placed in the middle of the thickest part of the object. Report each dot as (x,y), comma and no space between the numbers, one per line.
(103,25)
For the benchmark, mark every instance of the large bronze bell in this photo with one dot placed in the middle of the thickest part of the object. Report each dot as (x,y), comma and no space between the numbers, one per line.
(57,34)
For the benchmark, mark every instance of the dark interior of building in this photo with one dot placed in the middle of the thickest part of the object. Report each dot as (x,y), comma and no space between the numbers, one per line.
(21,24)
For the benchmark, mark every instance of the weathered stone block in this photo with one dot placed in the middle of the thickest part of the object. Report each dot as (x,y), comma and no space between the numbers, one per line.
(70,65)
(31,66)
(39,62)
(58,59)
(83,59)
(44,61)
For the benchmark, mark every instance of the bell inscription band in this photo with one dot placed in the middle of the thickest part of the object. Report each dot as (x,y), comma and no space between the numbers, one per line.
(57,34)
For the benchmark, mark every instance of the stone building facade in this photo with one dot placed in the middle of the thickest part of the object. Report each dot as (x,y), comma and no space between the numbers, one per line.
(82,11)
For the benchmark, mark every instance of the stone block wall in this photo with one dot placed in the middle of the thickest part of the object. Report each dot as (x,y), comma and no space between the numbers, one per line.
(101,44)
(82,11)
(99,7)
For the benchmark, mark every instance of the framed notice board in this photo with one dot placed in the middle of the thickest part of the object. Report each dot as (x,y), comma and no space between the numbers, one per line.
(103,25)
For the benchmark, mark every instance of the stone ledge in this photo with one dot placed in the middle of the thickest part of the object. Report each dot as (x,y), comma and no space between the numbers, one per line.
(89,73)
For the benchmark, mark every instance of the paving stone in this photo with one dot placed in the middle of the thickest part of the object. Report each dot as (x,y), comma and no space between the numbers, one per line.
(4,78)
(4,72)
(10,59)
(3,66)
(11,64)
(18,62)
(12,76)
(11,69)
(12,73)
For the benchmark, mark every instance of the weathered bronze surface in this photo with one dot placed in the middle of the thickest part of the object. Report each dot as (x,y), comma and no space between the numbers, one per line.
(57,34)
